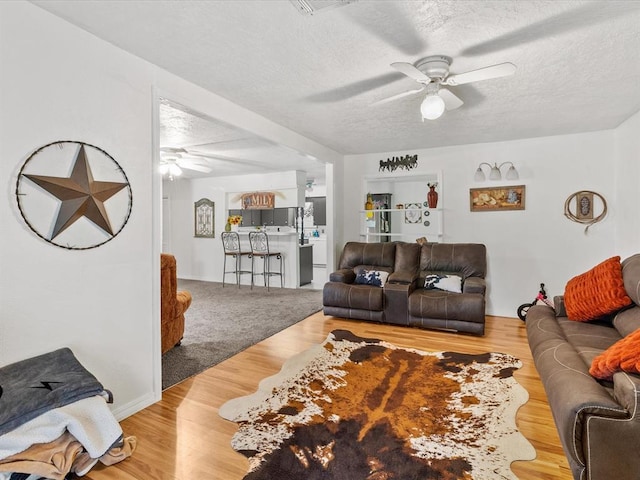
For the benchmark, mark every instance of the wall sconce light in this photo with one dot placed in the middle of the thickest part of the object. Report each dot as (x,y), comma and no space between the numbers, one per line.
(494,173)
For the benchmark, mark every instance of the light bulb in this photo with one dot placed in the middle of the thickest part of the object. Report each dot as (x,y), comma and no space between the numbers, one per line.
(432,107)
(512,173)
(175,170)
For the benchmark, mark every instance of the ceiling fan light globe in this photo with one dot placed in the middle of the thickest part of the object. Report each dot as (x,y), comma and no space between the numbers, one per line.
(175,170)
(432,107)
(163,169)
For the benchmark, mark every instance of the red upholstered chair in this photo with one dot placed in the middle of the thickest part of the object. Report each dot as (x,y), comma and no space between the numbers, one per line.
(173,304)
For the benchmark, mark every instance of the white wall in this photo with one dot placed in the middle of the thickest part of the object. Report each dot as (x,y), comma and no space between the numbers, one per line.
(60,83)
(538,244)
(626,163)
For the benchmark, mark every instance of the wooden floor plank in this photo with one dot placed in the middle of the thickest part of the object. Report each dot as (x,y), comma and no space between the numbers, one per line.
(182,437)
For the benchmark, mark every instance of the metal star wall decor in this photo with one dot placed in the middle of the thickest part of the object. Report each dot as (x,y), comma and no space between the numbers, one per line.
(85,212)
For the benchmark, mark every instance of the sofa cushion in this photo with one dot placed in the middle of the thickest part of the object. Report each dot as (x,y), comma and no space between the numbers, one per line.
(446,306)
(464,259)
(375,254)
(448,283)
(597,292)
(624,355)
(376,278)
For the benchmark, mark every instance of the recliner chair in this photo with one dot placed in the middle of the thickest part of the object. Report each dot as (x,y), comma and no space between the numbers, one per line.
(173,304)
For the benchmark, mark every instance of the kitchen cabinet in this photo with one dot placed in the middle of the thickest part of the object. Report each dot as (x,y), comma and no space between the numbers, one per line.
(284,217)
(281,217)
(267,217)
(306,264)
(319,250)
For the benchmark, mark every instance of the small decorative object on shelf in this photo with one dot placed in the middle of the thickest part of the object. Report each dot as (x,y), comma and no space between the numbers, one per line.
(432,195)
(412,213)
(369,205)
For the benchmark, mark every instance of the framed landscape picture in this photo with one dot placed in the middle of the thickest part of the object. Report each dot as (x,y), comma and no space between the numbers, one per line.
(492,199)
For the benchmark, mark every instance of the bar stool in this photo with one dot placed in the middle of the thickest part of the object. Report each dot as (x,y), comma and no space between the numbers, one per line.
(259,242)
(231,246)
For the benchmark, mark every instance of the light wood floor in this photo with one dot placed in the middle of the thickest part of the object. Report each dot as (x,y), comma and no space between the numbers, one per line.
(182,437)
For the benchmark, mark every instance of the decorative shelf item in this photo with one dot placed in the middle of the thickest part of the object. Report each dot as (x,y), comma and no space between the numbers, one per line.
(432,195)
(412,213)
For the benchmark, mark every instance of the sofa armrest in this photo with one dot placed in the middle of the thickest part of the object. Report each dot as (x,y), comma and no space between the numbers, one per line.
(626,390)
(402,277)
(474,285)
(558,306)
(344,275)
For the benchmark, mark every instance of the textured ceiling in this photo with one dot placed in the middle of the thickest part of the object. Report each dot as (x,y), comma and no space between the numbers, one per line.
(578,63)
(224,149)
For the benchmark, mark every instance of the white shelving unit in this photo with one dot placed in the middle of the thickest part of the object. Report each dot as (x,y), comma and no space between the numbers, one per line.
(405,190)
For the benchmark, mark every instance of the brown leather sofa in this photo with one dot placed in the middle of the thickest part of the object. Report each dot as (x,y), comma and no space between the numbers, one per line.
(598,421)
(173,304)
(403,300)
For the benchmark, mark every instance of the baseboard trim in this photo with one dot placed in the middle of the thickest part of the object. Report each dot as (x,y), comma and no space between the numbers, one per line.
(128,409)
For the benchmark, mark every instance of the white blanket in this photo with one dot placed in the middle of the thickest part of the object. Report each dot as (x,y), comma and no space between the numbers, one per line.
(89,420)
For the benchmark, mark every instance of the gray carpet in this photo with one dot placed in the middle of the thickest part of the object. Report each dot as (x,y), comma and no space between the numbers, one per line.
(222,322)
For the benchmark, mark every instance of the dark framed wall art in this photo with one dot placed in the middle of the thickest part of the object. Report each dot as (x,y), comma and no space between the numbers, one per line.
(204,218)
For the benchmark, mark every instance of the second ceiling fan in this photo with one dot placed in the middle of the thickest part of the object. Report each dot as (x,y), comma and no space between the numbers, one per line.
(432,73)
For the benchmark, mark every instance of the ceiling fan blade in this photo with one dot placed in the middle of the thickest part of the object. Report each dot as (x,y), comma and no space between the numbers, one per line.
(411,71)
(397,96)
(486,73)
(351,90)
(193,166)
(451,102)
(171,150)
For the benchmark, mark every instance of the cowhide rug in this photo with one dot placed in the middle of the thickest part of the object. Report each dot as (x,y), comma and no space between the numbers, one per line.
(361,408)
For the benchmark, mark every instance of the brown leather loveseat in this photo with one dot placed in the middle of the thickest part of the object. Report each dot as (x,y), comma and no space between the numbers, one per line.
(404,299)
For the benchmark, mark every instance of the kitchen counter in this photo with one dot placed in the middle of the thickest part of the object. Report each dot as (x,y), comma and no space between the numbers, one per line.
(287,244)
(269,233)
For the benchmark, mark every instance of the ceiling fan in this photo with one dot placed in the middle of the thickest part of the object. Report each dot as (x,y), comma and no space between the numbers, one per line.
(173,161)
(432,73)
